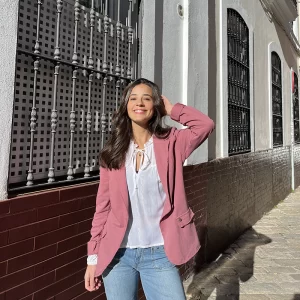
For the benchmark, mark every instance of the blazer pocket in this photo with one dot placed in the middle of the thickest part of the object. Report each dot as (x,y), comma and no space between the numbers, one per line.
(185,218)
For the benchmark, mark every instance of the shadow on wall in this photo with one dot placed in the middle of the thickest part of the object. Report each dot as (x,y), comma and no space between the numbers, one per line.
(223,276)
(296,297)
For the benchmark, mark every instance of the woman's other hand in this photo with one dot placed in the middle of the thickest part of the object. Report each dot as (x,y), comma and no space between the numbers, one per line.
(168,105)
(92,283)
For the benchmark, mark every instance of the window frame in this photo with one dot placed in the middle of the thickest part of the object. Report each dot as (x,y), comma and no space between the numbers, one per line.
(274,84)
(239,135)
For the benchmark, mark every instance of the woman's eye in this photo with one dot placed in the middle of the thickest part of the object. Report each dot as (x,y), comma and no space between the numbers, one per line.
(132,98)
(148,99)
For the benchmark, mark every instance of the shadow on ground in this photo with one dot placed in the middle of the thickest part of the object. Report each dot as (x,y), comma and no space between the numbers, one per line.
(223,276)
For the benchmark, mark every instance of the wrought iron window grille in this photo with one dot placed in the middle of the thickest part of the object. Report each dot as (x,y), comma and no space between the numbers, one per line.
(277,100)
(73,62)
(238,84)
(296,110)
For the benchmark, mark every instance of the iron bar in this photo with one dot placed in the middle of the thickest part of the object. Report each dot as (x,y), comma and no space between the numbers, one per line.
(54,117)
(51,175)
(57,47)
(118,29)
(130,39)
(106,25)
(118,82)
(103,115)
(88,126)
(33,115)
(37,47)
(76,14)
(72,125)
(92,25)
(33,119)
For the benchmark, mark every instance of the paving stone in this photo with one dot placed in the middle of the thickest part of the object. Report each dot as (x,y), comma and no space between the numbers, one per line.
(228,279)
(288,262)
(253,297)
(223,289)
(291,287)
(295,276)
(261,288)
(283,297)
(282,270)
(276,278)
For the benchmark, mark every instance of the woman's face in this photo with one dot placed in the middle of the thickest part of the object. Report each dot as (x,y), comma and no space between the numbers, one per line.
(140,105)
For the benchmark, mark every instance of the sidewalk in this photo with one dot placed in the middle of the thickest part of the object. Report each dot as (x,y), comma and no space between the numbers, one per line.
(263,264)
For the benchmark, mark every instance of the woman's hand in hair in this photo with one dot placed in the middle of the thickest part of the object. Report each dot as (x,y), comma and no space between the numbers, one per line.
(168,105)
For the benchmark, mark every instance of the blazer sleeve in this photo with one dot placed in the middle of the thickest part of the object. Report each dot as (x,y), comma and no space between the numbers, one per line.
(101,213)
(199,128)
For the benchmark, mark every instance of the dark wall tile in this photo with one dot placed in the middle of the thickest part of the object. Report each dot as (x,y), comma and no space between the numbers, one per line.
(79,191)
(71,292)
(31,258)
(34,200)
(59,286)
(3,238)
(15,220)
(31,286)
(3,267)
(16,249)
(55,236)
(59,260)
(71,268)
(57,209)
(76,217)
(31,230)
(15,279)
(4,207)
(73,242)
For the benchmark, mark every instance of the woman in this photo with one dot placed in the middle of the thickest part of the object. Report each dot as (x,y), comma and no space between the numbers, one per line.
(143,227)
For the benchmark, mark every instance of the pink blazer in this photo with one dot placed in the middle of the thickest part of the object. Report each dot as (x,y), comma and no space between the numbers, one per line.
(179,232)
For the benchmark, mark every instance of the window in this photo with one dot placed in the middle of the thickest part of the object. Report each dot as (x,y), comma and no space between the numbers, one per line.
(296,109)
(276,100)
(238,84)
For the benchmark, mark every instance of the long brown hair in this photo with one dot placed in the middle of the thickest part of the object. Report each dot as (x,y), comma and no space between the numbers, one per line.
(113,153)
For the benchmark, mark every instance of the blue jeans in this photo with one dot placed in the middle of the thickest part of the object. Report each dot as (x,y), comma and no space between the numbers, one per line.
(160,278)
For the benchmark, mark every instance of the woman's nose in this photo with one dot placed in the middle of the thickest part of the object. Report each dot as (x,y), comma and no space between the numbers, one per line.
(139,102)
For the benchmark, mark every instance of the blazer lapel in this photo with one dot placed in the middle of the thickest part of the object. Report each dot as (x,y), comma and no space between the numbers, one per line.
(161,151)
(122,183)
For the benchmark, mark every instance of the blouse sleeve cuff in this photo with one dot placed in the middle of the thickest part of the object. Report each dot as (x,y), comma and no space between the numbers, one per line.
(92,260)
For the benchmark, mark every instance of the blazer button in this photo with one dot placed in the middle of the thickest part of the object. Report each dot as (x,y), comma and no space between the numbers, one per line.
(179,219)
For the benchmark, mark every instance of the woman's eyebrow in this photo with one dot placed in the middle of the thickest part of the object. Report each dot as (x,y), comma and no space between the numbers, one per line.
(143,95)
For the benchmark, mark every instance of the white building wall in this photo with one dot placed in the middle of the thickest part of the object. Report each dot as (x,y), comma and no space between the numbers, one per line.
(8,42)
(263,30)
(177,59)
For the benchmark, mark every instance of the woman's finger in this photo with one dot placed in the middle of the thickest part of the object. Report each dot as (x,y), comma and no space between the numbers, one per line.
(87,282)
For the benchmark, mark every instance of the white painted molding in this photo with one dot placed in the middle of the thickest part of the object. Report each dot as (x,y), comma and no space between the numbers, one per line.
(276,48)
(223,97)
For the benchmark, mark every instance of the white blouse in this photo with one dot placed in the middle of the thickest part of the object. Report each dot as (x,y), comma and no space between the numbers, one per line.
(146,200)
